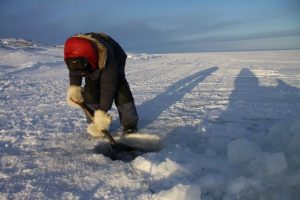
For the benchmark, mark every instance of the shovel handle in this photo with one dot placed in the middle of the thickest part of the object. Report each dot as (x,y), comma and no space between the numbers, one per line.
(90,115)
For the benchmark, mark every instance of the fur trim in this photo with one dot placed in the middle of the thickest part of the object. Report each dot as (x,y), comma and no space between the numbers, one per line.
(75,93)
(102,120)
(93,131)
(102,50)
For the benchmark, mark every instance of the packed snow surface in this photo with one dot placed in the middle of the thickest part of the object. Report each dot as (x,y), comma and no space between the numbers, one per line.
(229,123)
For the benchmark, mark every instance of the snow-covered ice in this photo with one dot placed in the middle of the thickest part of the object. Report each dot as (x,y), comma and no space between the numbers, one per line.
(229,122)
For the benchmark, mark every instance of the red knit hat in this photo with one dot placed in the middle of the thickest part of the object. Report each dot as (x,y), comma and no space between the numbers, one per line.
(80,47)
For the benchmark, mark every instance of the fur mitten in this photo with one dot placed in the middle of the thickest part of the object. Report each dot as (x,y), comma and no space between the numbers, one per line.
(102,120)
(93,131)
(74,93)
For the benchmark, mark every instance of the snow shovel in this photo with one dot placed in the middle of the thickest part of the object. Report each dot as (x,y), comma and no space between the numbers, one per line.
(114,147)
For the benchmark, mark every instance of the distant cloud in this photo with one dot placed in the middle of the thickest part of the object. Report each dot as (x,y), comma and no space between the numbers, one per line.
(158,26)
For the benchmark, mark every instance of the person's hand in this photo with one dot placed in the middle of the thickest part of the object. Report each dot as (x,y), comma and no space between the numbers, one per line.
(93,131)
(74,94)
(102,120)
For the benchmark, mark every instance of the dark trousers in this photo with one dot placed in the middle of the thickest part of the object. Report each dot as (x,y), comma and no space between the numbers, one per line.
(125,104)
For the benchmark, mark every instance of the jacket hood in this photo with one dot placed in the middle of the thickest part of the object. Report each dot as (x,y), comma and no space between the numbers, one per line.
(81,47)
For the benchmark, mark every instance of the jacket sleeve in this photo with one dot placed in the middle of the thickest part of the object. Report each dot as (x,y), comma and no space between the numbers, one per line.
(121,56)
(75,79)
(108,85)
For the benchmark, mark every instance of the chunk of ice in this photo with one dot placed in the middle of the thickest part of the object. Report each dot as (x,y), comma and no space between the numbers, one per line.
(180,192)
(241,150)
(275,163)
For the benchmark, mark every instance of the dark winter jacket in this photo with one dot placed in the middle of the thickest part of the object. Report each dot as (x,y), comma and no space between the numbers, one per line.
(101,86)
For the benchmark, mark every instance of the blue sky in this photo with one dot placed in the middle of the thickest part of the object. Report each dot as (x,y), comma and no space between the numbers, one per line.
(159,26)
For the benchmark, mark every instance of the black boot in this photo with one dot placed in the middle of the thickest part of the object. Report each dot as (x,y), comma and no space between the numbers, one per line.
(129,130)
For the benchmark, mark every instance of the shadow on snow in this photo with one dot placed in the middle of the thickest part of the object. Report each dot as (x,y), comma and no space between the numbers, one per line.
(151,110)
(252,112)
